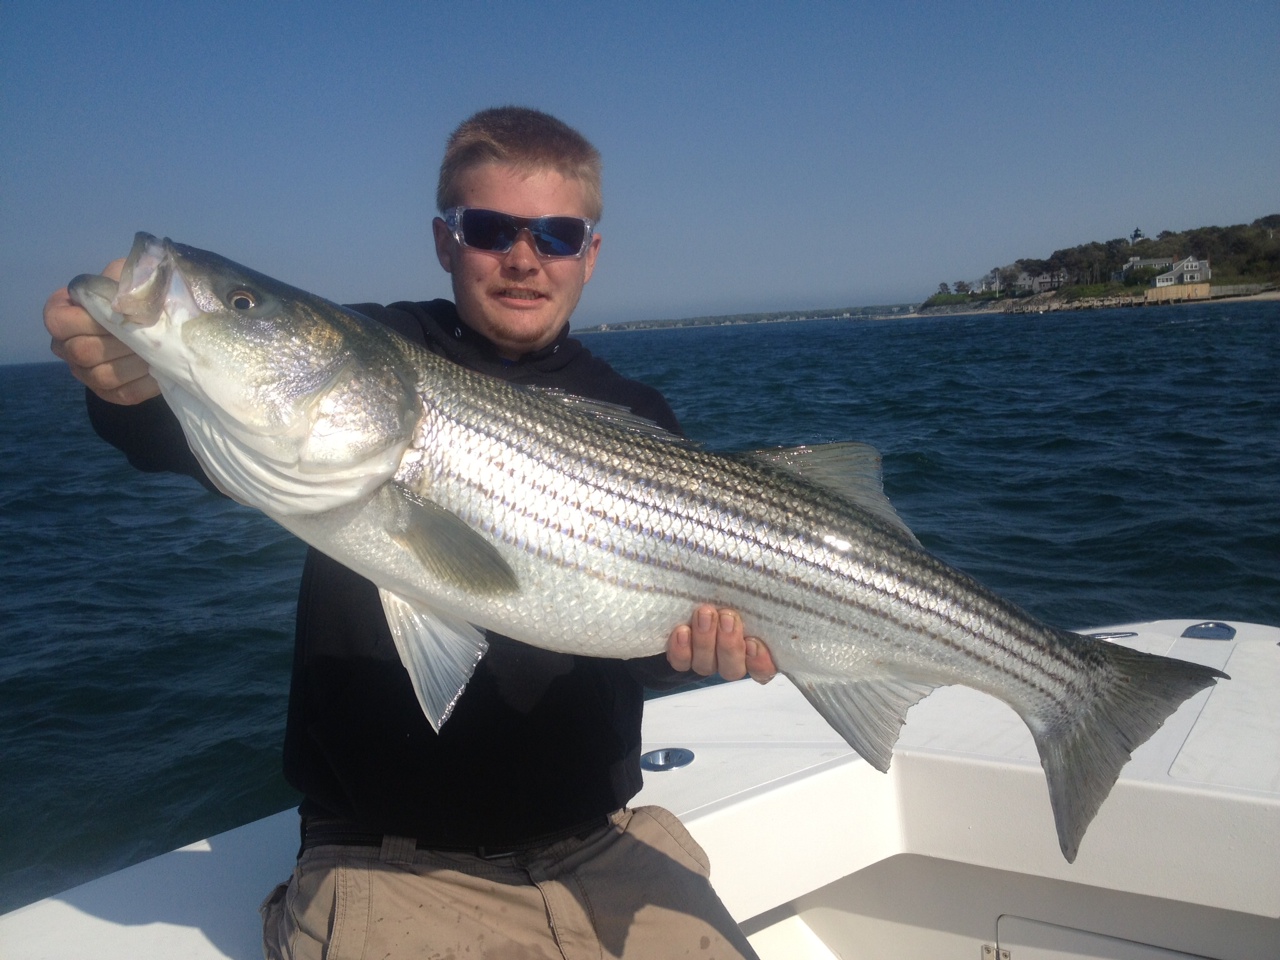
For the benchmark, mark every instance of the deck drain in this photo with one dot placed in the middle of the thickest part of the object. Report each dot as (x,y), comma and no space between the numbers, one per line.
(672,758)
(1210,630)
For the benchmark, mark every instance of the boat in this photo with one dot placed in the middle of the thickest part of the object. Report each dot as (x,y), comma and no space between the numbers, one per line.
(818,856)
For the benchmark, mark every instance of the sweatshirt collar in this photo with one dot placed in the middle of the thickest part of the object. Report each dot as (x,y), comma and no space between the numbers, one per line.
(465,341)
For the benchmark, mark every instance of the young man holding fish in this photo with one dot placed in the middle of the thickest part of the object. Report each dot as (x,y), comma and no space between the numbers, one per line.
(509,829)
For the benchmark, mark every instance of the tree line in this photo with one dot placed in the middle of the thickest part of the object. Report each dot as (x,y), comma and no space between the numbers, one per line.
(1239,254)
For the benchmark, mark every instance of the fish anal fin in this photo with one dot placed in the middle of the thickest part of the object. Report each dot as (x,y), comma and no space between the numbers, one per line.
(848,469)
(450,550)
(868,713)
(439,652)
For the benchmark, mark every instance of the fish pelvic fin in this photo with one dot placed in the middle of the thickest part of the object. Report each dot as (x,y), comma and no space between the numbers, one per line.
(869,713)
(439,652)
(1083,753)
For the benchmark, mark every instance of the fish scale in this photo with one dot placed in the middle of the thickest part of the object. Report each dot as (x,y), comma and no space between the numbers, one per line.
(649,477)
(476,505)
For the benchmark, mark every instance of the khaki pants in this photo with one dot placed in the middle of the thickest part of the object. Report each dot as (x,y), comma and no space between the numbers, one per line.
(634,890)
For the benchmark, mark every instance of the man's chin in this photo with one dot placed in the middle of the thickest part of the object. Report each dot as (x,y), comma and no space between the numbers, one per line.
(518,338)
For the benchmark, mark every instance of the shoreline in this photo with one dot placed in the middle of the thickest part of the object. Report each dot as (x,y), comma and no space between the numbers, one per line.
(1049,306)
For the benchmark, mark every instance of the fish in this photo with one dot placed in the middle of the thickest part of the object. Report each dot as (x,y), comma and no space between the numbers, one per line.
(476,505)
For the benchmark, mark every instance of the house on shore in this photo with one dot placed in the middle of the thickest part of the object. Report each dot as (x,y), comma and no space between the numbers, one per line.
(1045,281)
(1140,263)
(1187,270)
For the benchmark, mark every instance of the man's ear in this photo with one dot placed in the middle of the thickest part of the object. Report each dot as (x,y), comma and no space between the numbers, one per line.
(592,251)
(444,244)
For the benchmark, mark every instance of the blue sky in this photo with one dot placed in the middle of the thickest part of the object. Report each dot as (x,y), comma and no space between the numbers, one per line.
(758,156)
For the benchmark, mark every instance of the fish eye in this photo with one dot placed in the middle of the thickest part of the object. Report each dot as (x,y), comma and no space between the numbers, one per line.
(242,300)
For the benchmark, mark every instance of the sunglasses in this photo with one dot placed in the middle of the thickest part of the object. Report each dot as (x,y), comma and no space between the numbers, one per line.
(555,238)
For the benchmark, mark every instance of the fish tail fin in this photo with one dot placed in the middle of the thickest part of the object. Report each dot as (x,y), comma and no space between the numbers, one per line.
(1083,752)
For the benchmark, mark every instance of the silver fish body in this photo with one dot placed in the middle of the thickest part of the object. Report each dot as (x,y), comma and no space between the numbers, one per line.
(573,526)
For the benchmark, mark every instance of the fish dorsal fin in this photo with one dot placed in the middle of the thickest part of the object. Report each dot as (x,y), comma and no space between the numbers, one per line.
(868,713)
(439,652)
(450,550)
(849,470)
(613,414)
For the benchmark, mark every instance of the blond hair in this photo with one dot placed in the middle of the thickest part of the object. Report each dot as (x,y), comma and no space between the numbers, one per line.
(526,139)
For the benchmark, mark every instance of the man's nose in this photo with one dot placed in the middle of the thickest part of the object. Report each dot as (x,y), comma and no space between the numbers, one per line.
(523,254)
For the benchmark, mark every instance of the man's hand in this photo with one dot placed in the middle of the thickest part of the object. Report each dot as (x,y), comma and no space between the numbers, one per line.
(97,359)
(713,642)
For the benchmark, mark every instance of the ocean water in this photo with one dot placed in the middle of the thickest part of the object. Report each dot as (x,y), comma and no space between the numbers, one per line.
(1096,467)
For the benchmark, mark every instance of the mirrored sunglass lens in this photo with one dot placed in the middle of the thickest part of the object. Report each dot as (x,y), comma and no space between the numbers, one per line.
(553,236)
(559,236)
(488,230)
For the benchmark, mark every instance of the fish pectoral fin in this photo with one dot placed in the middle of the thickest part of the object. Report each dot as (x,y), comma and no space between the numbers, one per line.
(849,470)
(868,713)
(450,550)
(439,652)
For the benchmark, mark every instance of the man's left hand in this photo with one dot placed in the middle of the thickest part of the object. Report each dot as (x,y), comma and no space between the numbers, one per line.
(713,642)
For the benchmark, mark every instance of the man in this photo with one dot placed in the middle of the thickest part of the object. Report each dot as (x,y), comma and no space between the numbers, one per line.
(508,831)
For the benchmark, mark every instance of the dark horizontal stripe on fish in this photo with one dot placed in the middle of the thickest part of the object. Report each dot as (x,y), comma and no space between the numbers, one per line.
(560,453)
(561,443)
(945,608)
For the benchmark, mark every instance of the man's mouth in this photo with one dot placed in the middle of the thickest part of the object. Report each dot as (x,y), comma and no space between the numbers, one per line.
(519,293)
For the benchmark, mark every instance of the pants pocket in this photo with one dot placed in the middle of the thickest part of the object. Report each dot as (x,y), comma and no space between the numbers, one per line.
(271,910)
(669,824)
(320,914)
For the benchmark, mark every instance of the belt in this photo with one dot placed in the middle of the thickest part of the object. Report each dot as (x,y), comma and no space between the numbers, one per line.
(327,831)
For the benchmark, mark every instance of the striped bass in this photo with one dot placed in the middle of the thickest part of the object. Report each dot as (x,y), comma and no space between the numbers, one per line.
(573,526)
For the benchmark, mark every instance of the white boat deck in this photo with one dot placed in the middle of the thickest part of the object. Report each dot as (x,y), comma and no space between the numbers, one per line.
(953,853)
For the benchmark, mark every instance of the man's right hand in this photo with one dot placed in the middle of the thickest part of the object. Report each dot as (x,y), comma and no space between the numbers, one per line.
(97,359)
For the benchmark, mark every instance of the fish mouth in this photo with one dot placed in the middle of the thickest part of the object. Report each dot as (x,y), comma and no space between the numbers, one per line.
(147,273)
(95,293)
(151,289)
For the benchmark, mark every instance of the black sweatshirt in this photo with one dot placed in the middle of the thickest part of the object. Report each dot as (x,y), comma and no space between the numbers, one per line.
(538,742)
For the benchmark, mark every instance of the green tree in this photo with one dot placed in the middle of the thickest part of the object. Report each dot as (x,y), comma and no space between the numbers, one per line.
(1141,277)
